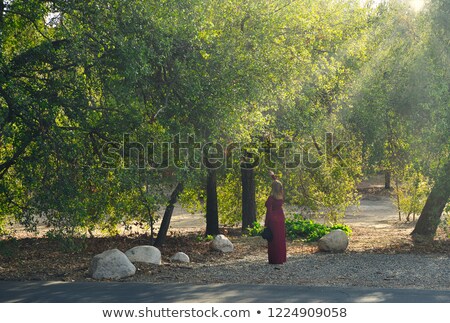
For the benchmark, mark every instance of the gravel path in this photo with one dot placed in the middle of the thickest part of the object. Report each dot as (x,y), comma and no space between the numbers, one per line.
(400,270)
(348,269)
(353,268)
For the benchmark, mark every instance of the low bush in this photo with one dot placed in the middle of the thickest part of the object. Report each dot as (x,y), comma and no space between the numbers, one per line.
(203,238)
(255,230)
(309,230)
(300,228)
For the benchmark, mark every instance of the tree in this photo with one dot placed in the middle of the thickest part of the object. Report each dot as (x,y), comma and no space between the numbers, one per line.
(168,215)
(401,109)
(49,118)
(68,88)
(440,97)
(85,86)
(430,216)
(248,196)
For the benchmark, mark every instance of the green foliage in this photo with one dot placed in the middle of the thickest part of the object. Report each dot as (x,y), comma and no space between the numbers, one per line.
(255,230)
(308,230)
(203,238)
(230,201)
(4,221)
(229,193)
(298,227)
(411,191)
(193,196)
(329,188)
(226,71)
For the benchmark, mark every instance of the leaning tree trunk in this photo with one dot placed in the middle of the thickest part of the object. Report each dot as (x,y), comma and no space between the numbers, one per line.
(212,211)
(432,211)
(248,197)
(165,223)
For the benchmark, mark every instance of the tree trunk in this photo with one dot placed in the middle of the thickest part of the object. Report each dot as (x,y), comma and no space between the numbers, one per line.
(248,197)
(2,8)
(165,223)
(212,212)
(387,180)
(397,193)
(432,211)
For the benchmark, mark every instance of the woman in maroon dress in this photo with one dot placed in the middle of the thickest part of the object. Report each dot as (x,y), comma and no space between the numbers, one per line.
(275,221)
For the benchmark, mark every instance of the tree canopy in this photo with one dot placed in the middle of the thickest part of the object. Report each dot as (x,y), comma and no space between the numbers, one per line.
(108,106)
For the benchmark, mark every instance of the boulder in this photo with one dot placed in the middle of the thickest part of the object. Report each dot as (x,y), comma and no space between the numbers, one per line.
(180,257)
(221,243)
(111,264)
(335,241)
(145,254)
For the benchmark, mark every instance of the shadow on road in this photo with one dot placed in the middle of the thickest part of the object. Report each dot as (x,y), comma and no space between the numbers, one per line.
(103,292)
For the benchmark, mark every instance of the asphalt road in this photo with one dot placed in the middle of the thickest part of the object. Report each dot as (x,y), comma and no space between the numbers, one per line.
(109,292)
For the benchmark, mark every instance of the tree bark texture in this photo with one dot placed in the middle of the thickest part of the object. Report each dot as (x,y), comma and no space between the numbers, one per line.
(165,223)
(387,180)
(212,211)
(248,197)
(430,216)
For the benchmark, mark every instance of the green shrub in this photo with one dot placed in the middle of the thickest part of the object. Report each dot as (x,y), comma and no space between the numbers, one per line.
(229,193)
(202,238)
(411,191)
(298,227)
(308,230)
(255,230)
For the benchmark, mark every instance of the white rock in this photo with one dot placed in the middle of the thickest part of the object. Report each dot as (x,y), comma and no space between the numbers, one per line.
(180,257)
(335,241)
(145,254)
(221,243)
(111,264)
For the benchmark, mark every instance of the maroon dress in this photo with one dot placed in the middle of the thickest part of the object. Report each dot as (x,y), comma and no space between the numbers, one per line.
(275,221)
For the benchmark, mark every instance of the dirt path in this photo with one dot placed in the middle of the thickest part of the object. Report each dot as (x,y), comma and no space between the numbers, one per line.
(373,211)
(376,210)
(375,223)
